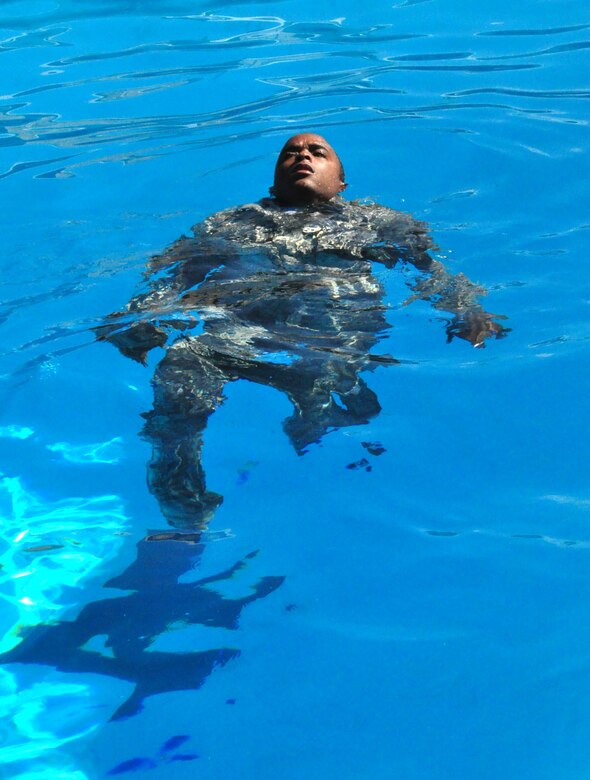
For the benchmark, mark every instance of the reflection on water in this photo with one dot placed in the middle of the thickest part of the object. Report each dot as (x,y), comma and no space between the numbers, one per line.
(359,75)
(47,550)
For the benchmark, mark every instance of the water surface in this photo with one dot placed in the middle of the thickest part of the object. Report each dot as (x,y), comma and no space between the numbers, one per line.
(424,618)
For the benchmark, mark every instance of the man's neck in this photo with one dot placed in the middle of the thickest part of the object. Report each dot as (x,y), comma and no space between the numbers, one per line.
(334,204)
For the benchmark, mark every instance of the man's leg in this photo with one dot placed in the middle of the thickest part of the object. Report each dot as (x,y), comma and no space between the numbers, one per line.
(325,393)
(187,389)
(324,409)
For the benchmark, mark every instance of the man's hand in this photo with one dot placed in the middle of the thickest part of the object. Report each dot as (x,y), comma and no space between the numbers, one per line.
(133,341)
(476,327)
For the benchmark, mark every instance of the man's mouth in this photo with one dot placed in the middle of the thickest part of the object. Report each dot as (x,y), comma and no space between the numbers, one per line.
(302,168)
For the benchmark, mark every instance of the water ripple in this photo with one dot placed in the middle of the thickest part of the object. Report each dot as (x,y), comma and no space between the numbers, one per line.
(542,31)
(25,166)
(114,10)
(49,129)
(565,47)
(34,39)
(280,33)
(198,71)
(350,88)
(534,93)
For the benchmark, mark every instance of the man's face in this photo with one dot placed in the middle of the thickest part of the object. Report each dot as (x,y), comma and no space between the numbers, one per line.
(308,171)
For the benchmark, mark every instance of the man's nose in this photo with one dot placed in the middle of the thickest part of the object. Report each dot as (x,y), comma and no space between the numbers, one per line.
(304,154)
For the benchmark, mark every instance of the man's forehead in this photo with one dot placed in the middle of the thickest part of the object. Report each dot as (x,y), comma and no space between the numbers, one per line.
(306,139)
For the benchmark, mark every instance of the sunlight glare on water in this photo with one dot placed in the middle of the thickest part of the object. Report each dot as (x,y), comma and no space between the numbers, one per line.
(409,598)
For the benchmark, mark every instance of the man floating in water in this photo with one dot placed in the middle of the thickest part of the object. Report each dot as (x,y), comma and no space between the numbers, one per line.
(283,293)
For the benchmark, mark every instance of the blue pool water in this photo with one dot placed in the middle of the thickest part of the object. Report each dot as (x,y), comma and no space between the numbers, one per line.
(426,618)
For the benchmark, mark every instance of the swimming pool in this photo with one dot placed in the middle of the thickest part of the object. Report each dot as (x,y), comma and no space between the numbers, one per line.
(426,618)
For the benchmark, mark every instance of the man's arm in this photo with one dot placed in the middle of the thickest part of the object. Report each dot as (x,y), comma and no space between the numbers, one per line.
(405,239)
(456,294)
(155,311)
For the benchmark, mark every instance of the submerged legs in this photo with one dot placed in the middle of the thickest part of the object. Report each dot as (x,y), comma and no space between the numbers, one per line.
(326,393)
(187,390)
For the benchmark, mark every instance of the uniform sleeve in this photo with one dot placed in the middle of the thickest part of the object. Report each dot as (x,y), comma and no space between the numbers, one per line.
(401,238)
(156,312)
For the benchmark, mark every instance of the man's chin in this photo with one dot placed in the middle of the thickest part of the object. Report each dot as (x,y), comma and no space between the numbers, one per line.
(300,193)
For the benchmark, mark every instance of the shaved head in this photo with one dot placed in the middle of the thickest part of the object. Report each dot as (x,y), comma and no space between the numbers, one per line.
(308,170)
